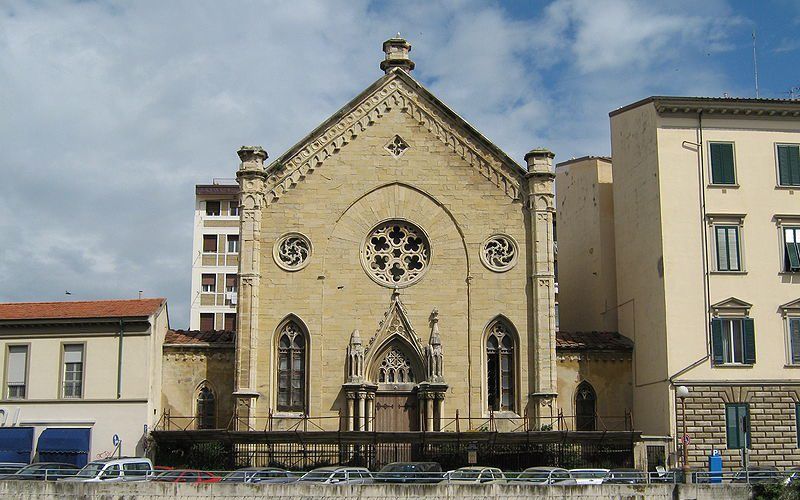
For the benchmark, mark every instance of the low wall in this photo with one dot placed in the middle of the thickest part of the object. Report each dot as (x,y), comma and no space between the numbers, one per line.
(29,490)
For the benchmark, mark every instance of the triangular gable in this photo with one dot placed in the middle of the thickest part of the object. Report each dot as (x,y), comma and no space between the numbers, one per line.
(790,307)
(731,304)
(395,323)
(395,90)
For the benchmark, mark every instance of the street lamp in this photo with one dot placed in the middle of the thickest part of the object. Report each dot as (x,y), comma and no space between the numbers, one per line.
(682,392)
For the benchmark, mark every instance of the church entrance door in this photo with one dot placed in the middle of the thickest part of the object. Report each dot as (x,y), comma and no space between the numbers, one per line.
(396,411)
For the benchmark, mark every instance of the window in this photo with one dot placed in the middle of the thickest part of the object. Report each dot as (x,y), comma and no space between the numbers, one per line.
(206,322)
(722,164)
(737,425)
(794,340)
(500,367)
(234,208)
(209,282)
(212,208)
(291,368)
(585,407)
(206,408)
(789,164)
(209,243)
(233,243)
(797,422)
(727,243)
(230,322)
(230,283)
(791,249)
(73,371)
(17,371)
(733,341)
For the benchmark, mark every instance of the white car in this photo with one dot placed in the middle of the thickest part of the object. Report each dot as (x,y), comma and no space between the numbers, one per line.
(338,475)
(476,475)
(114,470)
(588,476)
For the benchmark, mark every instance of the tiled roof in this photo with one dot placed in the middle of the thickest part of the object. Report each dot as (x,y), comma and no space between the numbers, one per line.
(597,341)
(198,337)
(79,310)
(223,189)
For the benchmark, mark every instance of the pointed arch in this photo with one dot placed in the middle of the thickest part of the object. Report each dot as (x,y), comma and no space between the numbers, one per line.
(396,362)
(585,407)
(292,343)
(501,351)
(205,406)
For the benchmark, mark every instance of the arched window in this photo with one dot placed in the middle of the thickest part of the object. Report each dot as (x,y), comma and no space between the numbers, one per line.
(395,368)
(206,408)
(500,367)
(291,368)
(585,407)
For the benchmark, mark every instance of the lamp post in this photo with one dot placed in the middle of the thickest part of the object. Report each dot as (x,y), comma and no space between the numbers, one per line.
(682,392)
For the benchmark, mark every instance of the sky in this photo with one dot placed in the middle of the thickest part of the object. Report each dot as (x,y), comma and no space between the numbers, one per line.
(111,112)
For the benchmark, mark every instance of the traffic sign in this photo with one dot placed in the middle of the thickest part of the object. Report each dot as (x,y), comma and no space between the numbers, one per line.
(685,439)
(115,440)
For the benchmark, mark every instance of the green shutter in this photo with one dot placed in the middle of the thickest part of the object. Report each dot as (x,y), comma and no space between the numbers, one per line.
(793,252)
(789,165)
(794,339)
(728,163)
(716,341)
(794,165)
(749,341)
(722,163)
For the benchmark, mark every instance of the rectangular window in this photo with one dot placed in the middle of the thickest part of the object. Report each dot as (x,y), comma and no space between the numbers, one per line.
(727,242)
(789,164)
(209,282)
(206,322)
(17,372)
(212,208)
(722,163)
(73,371)
(230,322)
(234,208)
(797,422)
(791,249)
(794,340)
(210,243)
(230,283)
(737,425)
(733,341)
(233,243)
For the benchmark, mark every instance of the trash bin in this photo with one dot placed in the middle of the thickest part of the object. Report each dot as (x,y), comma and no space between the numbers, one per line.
(715,468)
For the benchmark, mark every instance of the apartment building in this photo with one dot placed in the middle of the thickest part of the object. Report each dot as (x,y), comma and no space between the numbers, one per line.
(706,224)
(215,256)
(77,374)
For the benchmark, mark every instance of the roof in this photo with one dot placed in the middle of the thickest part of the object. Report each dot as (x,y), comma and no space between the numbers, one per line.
(80,309)
(584,158)
(593,341)
(197,337)
(224,189)
(733,106)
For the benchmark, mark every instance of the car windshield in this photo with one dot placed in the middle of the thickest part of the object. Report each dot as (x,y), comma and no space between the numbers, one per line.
(238,475)
(169,474)
(400,468)
(91,470)
(588,474)
(535,474)
(35,469)
(317,475)
(465,474)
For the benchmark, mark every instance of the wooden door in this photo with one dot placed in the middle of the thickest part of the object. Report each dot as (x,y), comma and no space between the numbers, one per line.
(396,412)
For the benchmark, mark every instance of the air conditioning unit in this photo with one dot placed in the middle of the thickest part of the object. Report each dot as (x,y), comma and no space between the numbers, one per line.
(231,296)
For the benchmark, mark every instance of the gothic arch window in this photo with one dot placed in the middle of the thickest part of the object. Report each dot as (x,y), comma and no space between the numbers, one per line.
(585,407)
(292,344)
(500,367)
(206,408)
(395,368)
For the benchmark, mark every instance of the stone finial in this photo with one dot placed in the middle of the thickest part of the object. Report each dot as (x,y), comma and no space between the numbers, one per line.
(434,355)
(355,359)
(252,157)
(396,50)
(540,160)
(435,340)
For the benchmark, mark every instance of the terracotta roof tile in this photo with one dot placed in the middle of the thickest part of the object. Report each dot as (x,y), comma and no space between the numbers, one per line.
(82,310)
(587,341)
(198,337)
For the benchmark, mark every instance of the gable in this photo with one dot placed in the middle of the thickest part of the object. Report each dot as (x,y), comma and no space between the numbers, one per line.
(394,91)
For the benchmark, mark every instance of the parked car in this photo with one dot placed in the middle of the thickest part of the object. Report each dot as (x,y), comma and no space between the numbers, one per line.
(114,470)
(338,475)
(259,475)
(588,476)
(49,471)
(754,475)
(477,475)
(10,467)
(625,476)
(792,475)
(543,475)
(187,476)
(410,472)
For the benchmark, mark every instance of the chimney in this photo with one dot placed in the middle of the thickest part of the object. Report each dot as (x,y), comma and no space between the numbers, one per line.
(396,50)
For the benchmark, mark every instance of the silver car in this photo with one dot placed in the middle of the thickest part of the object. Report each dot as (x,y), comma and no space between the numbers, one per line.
(544,475)
(476,475)
(338,475)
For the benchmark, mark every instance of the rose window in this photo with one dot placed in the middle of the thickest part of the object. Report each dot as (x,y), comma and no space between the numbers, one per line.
(292,251)
(396,254)
(499,253)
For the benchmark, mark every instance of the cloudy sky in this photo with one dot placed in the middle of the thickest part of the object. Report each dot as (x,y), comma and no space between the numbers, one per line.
(110,111)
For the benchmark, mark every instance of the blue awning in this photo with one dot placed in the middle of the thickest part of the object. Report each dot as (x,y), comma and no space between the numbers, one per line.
(16,444)
(60,444)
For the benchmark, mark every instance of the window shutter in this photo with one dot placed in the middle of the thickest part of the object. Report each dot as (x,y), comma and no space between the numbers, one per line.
(731,427)
(794,339)
(230,280)
(209,279)
(17,361)
(73,353)
(209,243)
(793,252)
(749,342)
(717,172)
(727,163)
(789,165)
(794,165)
(716,341)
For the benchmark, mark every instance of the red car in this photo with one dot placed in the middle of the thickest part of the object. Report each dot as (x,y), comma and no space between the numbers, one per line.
(187,476)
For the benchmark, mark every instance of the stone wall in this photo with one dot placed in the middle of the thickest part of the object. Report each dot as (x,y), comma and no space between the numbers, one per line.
(772,420)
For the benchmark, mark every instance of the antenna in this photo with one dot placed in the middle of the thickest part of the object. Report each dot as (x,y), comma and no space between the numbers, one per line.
(755,63)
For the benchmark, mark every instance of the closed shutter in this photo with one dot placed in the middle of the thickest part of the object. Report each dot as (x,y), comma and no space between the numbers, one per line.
(722,163)
(210,279)
(210,243)
(749,342)
(17,364)
(789,165)
(716,341)
(230,322)
(230,281)
(794,339)
(206,322)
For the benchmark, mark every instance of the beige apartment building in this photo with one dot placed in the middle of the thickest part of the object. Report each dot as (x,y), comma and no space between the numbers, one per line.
(215,257)
(76,374)
(703,250)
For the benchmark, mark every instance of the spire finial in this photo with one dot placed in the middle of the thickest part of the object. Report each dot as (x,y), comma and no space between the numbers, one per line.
(397,50)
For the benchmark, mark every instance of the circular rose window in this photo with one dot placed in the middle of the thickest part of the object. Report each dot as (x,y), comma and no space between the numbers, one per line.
(499,253)
(292,251)
(396,254)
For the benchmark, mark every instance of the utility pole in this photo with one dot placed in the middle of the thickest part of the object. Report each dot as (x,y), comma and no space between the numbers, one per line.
(755,63)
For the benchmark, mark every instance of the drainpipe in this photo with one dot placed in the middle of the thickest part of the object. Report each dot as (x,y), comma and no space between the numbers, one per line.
(119,358)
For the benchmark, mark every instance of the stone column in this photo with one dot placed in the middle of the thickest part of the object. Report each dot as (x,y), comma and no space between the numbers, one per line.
(438,411)
(361,409)
(542,330)
(251,176)
(429,412)
(370,411)
(350,414)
